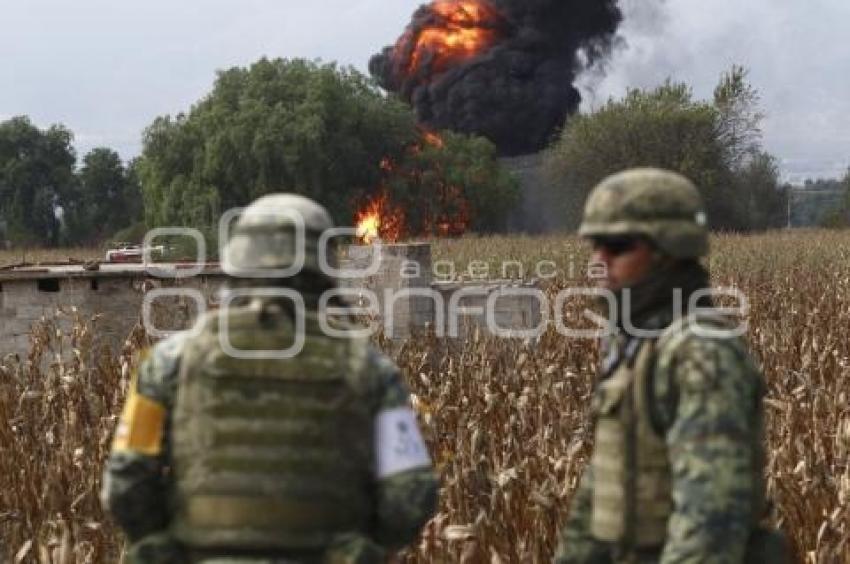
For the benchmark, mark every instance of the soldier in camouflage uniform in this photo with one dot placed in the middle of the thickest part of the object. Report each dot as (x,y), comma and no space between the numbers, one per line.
(219,458)
(676,472)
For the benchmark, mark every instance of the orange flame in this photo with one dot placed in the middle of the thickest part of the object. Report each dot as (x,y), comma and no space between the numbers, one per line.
(379,219)
(433,139)
(369,227)
(463,29)
(445,213)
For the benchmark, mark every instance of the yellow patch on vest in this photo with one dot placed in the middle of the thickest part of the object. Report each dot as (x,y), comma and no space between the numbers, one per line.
(141,426)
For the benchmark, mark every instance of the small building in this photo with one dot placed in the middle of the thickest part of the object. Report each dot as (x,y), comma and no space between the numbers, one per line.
(113,292)
(408,297)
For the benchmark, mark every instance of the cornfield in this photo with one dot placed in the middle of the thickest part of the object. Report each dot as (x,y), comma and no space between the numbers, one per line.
(506,421)
(58,409)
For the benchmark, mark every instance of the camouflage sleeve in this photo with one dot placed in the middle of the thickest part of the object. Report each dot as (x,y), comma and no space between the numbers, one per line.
(576,545)
(135,475)
(406,482)
(711,442)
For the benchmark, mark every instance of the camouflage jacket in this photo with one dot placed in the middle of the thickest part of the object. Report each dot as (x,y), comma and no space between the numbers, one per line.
(136,480)
(707,393)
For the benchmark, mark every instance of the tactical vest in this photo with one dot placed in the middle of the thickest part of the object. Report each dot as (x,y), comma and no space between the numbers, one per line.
(270,454)
(632,483)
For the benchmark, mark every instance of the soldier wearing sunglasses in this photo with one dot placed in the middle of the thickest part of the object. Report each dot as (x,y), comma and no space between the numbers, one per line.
(677,469)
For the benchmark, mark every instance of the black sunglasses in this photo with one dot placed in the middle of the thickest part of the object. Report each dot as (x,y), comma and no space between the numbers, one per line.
(616,245)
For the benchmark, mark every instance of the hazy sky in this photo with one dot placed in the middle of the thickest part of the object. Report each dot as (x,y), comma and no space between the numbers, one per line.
(106,69)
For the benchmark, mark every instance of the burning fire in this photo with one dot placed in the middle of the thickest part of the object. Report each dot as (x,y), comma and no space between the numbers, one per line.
(379,218)
(454,214)
(443,212)
(369,225)
(433,139)
(460,30)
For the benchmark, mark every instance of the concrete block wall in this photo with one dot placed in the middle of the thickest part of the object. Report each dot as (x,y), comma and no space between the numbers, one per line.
(416,312)
(115,301)
(117,298)
(402,268)
(511,312)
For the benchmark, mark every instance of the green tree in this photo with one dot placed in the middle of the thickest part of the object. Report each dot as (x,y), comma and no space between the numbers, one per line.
(716,144)
(133,201)
(664,127)
(279,125)
(107,198)
(739,117)
(451,187)
(36,180)
(759,192)
(846,185)
(839,216)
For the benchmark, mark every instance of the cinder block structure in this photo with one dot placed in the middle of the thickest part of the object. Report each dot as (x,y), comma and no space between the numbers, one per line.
(112,292)
(411,299)
(401,284)
(398,277)
(504,308)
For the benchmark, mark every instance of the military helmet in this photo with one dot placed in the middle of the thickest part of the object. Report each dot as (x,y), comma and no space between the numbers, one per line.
(265,235)
(663,206)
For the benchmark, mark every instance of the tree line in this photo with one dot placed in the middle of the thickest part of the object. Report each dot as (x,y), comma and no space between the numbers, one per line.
(331,134)
(318,130)
(836,215)
(279,125)
(716,143)
(47,200)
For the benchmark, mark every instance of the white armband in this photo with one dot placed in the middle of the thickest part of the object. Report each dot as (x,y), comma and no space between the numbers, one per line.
(398,443)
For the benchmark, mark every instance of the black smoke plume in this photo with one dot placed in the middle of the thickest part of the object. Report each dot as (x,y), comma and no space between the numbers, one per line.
(518,90)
